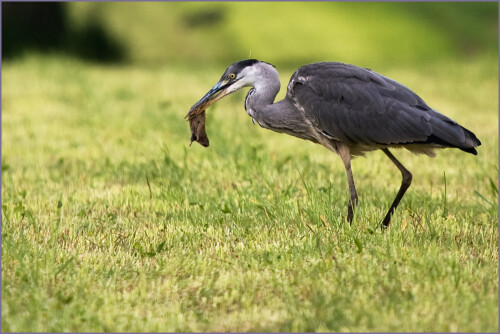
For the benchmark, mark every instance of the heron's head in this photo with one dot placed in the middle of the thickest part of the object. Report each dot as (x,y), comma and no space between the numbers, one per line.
(241,74)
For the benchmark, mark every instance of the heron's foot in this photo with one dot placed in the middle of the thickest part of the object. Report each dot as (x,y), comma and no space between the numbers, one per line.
(386,221)
(350,209)
(350,214)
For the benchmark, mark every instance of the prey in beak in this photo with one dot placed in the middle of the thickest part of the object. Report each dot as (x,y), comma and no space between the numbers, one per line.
(238,75)
(196,115)
(215,94)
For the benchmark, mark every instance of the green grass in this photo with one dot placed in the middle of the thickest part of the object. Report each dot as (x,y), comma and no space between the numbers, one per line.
(292,34)
(111,222)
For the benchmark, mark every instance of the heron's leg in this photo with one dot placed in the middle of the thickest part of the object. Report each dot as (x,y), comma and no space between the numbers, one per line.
(346,159)
(354,196)
(405,184)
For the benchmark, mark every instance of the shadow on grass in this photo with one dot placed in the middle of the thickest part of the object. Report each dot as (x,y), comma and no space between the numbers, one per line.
(46,27)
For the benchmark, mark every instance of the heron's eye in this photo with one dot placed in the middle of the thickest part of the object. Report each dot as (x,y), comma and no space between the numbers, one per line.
(232,76)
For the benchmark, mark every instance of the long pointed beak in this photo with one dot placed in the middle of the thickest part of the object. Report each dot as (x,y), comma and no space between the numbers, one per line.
(216,93)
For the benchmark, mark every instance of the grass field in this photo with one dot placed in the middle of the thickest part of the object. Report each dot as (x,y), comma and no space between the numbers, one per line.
(363,33)
(111,222)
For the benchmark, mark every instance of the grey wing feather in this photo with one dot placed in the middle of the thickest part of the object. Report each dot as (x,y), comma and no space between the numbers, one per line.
(359,106)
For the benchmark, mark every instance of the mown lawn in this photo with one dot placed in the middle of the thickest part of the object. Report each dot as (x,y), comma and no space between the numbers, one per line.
(111,222)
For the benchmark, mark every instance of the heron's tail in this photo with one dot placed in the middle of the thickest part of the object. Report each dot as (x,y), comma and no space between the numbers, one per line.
(471,141)
(448,133)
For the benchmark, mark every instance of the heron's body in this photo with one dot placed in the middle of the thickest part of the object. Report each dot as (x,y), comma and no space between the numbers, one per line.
(348,109)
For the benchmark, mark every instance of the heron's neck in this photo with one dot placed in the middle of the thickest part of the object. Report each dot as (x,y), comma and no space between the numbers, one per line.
(262,95)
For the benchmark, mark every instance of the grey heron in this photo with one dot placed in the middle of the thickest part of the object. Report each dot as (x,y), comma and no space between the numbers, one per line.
(347,109)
